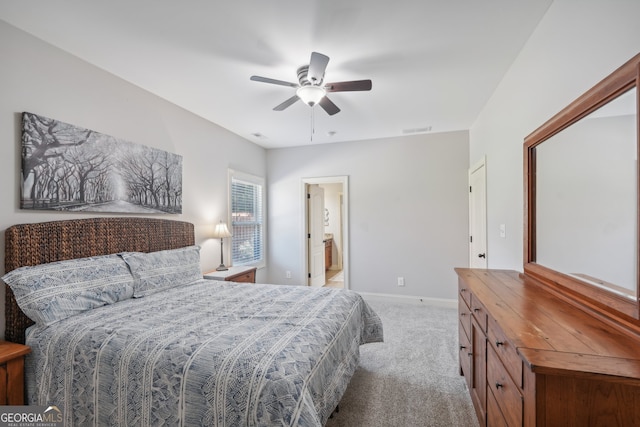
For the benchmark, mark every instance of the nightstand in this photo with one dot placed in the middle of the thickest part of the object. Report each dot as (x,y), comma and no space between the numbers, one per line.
(233,274)
(12,372)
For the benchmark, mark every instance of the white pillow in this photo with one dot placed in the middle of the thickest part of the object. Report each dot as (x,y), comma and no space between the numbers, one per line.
(50,292)
(156,271)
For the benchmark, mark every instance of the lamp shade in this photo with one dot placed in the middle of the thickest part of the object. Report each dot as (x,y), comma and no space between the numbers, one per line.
(221,231)
(311,95)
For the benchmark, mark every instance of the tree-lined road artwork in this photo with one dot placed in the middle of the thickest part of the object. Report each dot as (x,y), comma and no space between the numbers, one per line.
(66,167)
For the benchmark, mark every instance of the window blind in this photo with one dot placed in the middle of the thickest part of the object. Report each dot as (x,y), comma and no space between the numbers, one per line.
(247,221)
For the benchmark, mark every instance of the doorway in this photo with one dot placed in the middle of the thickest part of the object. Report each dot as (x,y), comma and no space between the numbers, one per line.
(335,231)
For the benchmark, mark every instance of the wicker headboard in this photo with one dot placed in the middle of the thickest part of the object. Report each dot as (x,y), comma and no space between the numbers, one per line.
(39,243)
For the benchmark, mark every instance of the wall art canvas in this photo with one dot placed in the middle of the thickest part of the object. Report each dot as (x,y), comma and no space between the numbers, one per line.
(69,168)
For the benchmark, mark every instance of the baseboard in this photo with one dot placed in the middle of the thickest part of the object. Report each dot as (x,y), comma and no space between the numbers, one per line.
(440,302)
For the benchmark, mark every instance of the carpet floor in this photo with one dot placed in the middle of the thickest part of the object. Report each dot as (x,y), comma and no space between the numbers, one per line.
(412,379)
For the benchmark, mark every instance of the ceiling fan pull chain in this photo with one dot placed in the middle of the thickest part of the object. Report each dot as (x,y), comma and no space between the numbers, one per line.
(313,125)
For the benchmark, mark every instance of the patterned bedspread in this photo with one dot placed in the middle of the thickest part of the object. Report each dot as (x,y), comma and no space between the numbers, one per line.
(210,353)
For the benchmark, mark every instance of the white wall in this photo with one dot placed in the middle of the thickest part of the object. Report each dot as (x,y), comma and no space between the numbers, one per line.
(576,44)
(408,213)
(41,79)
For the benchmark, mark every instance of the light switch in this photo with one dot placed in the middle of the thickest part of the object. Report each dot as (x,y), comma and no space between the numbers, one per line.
(503,230)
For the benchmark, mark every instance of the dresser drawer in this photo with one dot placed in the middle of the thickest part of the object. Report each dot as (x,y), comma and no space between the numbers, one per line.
(464,315)
(494,415)
(507,395)
(464,292)
(479,312)
(505,351)
(464,354)
(249,277)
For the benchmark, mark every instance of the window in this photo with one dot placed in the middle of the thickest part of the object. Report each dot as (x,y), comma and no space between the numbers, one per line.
(247,218)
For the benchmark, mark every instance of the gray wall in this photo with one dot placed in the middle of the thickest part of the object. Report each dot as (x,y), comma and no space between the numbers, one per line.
(38,78)
(586,200)
(576,44)
(408,211)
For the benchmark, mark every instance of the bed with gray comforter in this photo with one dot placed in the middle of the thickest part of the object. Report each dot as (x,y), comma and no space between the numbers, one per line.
(207,353)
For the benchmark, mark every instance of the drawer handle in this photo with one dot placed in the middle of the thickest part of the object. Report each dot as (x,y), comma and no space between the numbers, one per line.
(475,310)
(463,290)
(463,314)
(469,354)
(499,343)
(498,386)
(462,347)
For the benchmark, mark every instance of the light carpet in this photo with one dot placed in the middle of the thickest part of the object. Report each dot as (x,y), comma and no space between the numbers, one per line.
(412,379)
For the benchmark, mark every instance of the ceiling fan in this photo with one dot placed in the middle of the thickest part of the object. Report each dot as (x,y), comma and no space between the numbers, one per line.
(311,88)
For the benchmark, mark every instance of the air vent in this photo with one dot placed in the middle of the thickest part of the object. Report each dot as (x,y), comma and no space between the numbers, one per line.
(416,130)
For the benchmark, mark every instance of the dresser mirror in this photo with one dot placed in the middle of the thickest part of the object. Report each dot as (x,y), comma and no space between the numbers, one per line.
(581,183)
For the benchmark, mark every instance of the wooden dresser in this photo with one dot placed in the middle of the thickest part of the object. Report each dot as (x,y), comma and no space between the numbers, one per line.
(532,359)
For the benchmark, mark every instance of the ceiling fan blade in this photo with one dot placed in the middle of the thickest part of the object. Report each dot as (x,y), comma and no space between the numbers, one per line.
(355,85)
(286,103)
(273,81)
(317,66)
(329,106)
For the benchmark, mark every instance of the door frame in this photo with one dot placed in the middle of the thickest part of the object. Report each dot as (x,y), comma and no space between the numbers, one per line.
(344,180)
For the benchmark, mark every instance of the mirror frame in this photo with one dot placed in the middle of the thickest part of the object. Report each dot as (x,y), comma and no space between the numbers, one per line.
(598,301)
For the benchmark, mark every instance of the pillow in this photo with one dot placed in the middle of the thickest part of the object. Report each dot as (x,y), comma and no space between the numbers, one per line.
(50,292)
(156,271)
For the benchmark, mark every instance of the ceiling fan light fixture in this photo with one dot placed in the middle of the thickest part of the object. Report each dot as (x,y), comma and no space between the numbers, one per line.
(311,90)
(311,95)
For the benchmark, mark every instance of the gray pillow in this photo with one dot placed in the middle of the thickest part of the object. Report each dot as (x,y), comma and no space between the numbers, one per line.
(50,292)
(156,271)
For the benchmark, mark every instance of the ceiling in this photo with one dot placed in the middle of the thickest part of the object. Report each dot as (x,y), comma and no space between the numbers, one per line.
(434,63)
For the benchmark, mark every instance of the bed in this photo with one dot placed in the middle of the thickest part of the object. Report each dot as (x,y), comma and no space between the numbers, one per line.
(127,332)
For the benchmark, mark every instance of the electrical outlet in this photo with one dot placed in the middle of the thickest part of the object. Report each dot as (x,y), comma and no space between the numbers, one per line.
(400,281)
(288,274)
